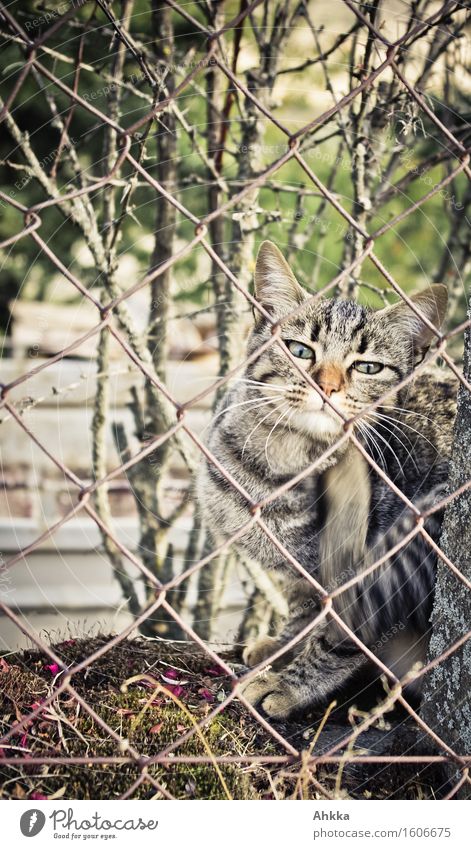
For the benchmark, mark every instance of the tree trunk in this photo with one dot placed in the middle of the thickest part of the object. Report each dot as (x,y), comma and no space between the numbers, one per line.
(447,692)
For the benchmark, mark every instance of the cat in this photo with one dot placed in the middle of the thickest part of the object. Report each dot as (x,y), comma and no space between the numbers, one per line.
(271,425)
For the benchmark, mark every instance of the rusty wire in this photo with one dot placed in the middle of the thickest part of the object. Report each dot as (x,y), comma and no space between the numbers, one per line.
(106,321)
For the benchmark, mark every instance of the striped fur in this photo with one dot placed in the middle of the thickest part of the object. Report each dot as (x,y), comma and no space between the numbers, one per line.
(338,520)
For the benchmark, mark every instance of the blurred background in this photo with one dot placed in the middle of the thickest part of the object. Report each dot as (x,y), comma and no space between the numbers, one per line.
(93,408)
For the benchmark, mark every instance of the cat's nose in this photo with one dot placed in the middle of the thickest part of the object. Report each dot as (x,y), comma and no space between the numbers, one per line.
(330,378)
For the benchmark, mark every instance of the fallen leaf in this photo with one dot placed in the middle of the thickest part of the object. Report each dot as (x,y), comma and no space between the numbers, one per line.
(57,795)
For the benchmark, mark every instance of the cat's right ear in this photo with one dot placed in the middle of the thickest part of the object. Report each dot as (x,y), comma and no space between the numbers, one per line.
(276,287)
(431,302)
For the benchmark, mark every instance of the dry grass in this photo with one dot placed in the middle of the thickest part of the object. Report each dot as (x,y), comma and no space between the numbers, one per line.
(151,720)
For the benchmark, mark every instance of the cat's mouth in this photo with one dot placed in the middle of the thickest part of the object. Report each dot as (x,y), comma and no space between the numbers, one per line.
(311,414)
(320,420)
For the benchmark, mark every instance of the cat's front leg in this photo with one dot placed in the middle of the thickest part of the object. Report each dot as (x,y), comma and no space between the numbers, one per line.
(312,678)
(303,606)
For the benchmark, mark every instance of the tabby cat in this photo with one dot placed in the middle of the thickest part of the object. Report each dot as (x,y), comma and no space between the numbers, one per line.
(271,425)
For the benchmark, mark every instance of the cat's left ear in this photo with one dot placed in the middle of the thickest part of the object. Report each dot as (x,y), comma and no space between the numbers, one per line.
(276,287)
(432,304)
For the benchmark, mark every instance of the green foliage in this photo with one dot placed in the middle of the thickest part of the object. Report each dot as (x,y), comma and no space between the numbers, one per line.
(281,215)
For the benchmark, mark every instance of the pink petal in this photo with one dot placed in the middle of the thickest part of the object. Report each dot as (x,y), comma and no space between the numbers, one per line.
(37,796)
(54,668)
(175,689)
(206,694)
(171,673)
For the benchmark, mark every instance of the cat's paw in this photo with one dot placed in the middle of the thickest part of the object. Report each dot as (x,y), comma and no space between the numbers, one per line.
(269,692)
(260,650)
(280,704)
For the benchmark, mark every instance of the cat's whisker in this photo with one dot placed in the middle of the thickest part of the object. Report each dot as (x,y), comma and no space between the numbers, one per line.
(410,412)
(257,401)
(289,419)
(262,383)
(391,422)
(399,424)
(279,419)
(389,446)
(365,430)
(279,386)
(264,402)
(369,433)
(371,428)
(404,410)
(258,425)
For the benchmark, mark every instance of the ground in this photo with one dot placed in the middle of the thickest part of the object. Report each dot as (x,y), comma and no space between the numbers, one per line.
(189,687)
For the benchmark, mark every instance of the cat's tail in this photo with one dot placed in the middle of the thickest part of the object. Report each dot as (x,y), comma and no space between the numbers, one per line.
(399,592)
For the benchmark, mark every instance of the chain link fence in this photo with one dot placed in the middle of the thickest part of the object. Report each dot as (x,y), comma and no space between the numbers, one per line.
(110,323)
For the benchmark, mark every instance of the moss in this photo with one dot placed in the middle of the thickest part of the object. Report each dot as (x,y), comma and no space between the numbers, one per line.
(158,727)
(151,721)
(68,730)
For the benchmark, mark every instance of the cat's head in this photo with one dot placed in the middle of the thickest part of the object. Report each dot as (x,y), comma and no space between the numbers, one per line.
(353,353)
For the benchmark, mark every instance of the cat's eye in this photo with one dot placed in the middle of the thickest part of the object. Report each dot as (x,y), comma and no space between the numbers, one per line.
(368,368)
(297,349)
